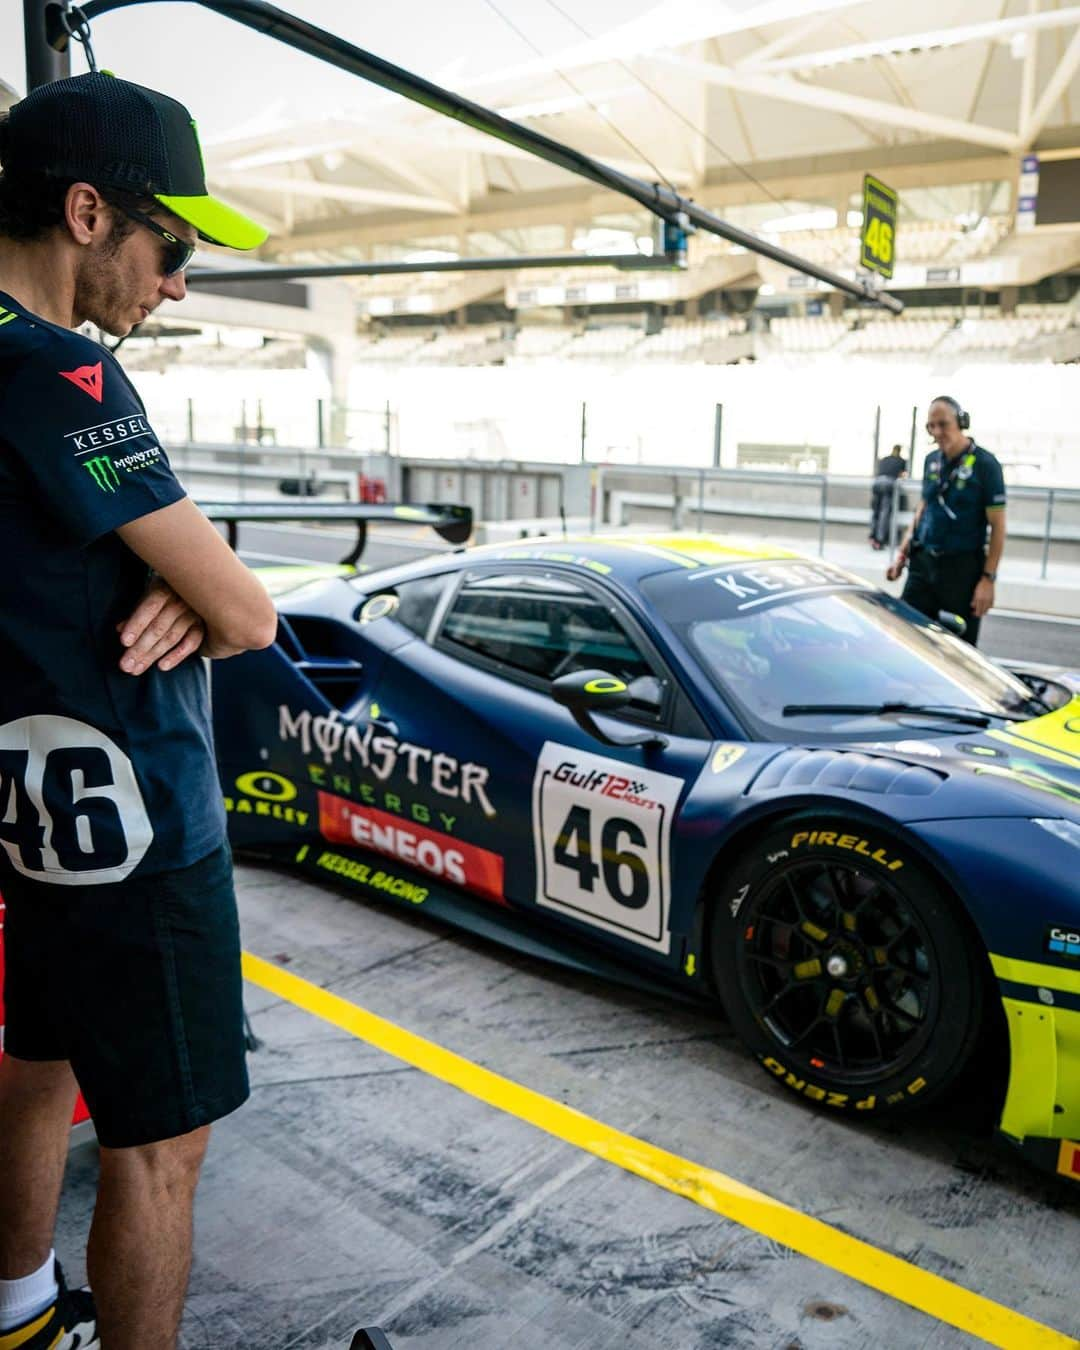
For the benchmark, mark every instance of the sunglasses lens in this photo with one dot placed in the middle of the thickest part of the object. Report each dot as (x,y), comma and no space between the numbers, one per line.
(178,259)
(177,256)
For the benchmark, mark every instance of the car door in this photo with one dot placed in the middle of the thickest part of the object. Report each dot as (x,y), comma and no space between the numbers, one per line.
(530,808)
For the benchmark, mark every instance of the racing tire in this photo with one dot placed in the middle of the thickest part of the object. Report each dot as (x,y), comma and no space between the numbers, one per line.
(844,966)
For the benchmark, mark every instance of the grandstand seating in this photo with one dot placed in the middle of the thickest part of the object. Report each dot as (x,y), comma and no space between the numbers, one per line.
(604,342)
(919,335)
(924,331)
(1033,332)
(535,343)
(691,339)
(935,330)
(807,335)
(921,242)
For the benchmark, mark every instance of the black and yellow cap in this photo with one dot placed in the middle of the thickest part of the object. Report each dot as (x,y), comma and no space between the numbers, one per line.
(115,134)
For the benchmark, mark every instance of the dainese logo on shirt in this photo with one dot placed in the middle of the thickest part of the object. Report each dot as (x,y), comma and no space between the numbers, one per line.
(86,378)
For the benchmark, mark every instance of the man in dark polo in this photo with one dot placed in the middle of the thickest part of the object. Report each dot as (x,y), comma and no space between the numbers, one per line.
(951,564)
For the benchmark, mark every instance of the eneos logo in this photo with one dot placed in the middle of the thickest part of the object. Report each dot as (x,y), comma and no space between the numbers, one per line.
(441,855)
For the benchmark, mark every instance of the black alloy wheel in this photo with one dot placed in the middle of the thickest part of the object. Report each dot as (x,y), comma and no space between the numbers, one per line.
(844,967)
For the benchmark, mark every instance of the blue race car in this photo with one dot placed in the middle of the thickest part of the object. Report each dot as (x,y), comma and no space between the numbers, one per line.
(750,777)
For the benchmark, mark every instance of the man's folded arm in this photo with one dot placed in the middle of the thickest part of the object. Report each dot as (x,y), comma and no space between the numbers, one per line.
(182,546)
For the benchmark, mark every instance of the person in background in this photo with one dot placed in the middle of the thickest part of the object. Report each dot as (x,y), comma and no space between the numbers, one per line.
(889,469)
(122,942)
(951,565)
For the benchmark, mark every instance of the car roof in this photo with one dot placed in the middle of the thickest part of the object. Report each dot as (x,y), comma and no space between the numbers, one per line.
(629,557)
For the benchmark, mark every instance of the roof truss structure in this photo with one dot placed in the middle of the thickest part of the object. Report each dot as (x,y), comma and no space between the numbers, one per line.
(719,102)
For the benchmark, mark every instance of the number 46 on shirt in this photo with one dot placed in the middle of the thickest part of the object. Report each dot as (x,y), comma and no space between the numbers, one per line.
(71,812)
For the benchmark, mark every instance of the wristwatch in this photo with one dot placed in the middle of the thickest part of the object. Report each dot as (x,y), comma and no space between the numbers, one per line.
(990,576)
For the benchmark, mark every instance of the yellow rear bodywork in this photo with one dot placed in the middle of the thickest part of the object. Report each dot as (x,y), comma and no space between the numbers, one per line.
(1043,1098)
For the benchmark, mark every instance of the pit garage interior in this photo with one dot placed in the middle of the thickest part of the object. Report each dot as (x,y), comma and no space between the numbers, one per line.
(450,1135)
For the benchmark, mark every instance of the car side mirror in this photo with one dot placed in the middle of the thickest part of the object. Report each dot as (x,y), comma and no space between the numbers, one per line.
(953,622)
(586,692)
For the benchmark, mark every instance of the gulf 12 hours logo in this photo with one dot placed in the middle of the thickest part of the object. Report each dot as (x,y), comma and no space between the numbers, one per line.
(601,830)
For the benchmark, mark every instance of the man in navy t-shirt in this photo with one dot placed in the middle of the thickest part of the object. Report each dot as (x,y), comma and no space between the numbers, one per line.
(122,943)
(953,567)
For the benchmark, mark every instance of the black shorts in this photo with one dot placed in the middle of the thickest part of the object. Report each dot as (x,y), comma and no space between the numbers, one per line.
(138,985)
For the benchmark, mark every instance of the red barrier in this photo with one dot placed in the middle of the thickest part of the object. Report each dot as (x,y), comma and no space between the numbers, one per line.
(81,1113)
(372,491)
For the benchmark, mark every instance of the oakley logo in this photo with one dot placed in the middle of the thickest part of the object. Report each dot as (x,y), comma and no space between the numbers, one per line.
(86,378)
(103,472)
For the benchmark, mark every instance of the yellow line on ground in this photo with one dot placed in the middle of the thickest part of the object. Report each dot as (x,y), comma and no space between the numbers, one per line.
(713,1190)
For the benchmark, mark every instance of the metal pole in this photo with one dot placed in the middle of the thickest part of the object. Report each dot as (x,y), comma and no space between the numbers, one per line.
(717,434)
(43,63)
(894,522)
(877,436)
(1046,534)
(624,262)
(584,428)
(911,443)
(824,505)
(191,421)
(320,433)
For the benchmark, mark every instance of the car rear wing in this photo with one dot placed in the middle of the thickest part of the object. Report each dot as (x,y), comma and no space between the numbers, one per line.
(452,523)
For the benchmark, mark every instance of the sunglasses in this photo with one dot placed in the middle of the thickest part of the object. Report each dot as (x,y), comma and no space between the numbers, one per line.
(177,252)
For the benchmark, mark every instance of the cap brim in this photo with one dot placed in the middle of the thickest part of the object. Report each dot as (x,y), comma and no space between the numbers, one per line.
(216,222)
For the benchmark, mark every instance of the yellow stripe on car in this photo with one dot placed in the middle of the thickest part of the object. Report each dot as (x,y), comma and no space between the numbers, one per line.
(705,550)
(1056,735)
(1036,973)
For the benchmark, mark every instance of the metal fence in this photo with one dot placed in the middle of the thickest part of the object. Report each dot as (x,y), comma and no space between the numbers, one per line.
(1043,523)
(809,509)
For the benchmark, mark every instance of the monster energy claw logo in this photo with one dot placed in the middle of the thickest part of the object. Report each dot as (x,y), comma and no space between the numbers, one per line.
(103,472)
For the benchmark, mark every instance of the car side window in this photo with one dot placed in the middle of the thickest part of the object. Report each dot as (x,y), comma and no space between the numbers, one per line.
(410,603)
(542,626)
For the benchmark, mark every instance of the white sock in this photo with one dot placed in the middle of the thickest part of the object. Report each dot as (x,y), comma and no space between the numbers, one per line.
(20,1300)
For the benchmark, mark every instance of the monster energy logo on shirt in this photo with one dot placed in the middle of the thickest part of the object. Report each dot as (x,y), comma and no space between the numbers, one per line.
(103,472)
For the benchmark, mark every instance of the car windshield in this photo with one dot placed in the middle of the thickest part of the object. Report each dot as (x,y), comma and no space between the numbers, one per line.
(775,635)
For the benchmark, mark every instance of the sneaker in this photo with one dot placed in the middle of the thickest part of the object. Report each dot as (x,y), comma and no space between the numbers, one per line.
(370,1338)
(68,1324)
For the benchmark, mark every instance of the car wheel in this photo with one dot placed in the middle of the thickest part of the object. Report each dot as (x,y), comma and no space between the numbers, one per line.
(844,966)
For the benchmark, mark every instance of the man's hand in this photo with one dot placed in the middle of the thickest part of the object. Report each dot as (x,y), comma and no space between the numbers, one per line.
(895,570)
(162,631)
(983,599)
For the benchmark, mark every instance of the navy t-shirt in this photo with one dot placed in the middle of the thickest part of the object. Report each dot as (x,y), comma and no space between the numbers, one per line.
(102,773)
(958,494)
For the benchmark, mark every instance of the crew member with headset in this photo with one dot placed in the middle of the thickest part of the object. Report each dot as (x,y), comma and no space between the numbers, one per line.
(950,564)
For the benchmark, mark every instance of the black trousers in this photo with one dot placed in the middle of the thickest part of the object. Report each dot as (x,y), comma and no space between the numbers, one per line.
(947,582)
